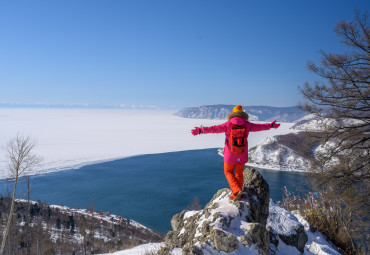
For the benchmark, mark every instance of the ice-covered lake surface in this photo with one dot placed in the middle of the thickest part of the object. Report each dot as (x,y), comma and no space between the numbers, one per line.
(71,138)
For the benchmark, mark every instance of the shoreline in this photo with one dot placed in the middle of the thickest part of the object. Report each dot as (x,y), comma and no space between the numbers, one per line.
(94,162)
(275,168)
(77,166)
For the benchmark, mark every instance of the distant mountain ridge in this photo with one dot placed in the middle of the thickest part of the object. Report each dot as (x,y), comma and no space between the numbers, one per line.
(261,113)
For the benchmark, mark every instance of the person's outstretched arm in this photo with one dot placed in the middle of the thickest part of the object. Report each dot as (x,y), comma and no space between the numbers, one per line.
(261,127)
(213,129)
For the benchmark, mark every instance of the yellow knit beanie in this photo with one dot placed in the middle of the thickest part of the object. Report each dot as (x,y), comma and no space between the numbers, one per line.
(238,108)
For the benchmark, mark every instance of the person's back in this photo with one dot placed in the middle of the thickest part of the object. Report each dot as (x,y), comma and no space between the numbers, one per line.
(234,161)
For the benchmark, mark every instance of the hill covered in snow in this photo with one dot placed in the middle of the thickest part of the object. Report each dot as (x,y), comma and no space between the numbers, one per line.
(289,152)
(55,229)
(261,113)
(312,122)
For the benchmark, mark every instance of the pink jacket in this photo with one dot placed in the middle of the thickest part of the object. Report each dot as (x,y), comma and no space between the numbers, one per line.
(225,128)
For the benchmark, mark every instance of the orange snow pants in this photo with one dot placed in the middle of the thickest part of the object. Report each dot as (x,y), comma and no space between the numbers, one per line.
(236,179)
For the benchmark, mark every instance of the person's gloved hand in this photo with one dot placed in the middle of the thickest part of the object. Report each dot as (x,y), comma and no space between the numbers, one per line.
(274,124)
(196,131)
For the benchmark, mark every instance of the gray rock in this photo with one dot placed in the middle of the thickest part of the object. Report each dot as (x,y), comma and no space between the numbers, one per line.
(298,240)
(260,236)
(192,250)
(258,192)
(223,241)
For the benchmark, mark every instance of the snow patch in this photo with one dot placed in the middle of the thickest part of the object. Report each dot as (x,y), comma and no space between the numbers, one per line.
(281,220)
(317,243)
(143,249)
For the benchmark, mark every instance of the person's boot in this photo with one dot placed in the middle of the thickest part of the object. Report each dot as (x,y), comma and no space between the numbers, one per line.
(237,196)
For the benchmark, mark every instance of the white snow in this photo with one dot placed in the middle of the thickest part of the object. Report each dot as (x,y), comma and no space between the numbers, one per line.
(281,220)
(270,154)
(144,249)
(71,138)
(317,243)
(312,122)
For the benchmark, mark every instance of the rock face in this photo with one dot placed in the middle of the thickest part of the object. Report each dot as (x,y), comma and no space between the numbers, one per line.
(258,192)
(226,226)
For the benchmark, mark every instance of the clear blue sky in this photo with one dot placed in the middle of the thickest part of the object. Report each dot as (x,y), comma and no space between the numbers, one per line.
(164,53)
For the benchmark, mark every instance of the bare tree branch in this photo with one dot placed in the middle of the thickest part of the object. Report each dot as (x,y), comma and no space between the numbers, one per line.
(22,161)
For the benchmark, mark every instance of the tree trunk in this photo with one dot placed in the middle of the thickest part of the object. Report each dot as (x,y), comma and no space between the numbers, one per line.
(28,218)
(10,217)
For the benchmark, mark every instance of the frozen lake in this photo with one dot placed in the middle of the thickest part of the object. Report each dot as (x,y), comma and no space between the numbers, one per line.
(71,138)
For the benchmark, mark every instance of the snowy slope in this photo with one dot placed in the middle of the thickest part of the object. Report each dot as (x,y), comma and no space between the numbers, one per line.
(273,155)
(313,123)
(317,243)
(107,227)
(144,249)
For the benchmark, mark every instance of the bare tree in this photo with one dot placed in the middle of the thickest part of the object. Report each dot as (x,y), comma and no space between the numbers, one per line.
(343,94)
(22,161)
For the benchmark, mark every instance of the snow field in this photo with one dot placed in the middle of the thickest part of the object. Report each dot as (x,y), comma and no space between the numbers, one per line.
(71,138)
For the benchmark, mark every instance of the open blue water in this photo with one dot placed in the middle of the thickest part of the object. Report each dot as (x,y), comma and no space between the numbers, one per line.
(149,188)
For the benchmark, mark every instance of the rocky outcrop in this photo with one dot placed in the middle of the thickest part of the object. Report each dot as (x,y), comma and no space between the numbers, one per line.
(225,226)
(222,226)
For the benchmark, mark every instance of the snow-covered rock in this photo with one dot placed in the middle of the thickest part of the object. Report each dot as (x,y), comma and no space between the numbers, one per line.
(221,227)
(274,155)
(286,227)
(235,227)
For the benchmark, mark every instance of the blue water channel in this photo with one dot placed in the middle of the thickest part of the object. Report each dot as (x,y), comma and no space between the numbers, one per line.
(149,188)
